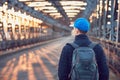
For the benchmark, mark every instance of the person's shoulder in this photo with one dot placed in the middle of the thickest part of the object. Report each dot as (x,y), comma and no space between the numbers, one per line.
(98,47)
(68,46)
(67,49)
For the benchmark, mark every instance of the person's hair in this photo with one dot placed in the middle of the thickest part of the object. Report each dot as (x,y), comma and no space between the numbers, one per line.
(83,32)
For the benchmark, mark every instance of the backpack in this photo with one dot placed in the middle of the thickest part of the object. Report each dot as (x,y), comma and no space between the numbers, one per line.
(84,66)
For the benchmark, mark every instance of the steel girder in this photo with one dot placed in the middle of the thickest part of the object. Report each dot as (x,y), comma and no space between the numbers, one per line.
(40,15)
(3,1)
(61,10)
(52,21)
(118,25)
(108,20)
(91,6)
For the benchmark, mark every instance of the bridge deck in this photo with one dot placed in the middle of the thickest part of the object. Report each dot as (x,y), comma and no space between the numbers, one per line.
(38,63)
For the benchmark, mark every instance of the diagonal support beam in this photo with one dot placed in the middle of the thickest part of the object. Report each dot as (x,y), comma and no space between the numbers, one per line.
(51,21)
(61,10)
(41,16)
(91,5)
(3,1)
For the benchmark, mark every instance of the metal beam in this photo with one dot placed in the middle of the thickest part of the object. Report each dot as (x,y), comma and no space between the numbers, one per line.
(61,10)
(118,25)
(41,16)
(3,1)
(112,33)
(105,13)
(51,21)
(91,5)
(31,0)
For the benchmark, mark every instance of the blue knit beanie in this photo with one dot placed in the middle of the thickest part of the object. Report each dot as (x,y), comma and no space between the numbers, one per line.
(82,24)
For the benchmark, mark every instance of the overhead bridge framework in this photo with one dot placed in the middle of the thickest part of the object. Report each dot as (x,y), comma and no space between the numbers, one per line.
(40,15)
(20,4)
(103,14)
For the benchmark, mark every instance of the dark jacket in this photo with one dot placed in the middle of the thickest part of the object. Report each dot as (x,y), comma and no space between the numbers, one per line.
(66,59)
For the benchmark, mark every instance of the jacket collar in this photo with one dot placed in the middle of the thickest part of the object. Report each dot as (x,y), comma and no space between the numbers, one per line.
(82,39)
(81,36)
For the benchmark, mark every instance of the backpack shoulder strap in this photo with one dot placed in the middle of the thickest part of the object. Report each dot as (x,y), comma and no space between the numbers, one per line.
(92,45)
(74,45)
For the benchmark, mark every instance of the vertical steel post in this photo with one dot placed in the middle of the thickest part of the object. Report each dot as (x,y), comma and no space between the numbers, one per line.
(105,11)
(112,33)
(100,18)
(118,25)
